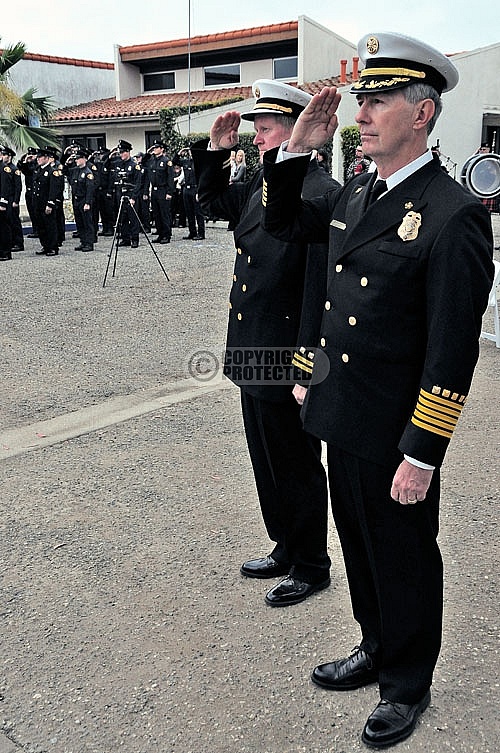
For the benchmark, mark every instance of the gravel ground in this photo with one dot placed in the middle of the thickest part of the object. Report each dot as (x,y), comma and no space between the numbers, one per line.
(125,623)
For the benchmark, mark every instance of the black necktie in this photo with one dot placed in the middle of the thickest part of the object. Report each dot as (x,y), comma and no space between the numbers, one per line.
(378,188)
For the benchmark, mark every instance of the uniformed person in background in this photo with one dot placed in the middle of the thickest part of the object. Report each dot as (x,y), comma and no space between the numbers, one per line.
(264,316)
(143,201)
(82,183)
(161,178)
(409,275)
(103,199)
(127,189)
(194,213)
(48,185)
(27,165)
(60,217)
(5,227)
(15,187)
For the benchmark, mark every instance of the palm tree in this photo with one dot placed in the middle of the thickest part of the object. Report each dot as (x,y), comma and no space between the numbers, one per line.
(20,115)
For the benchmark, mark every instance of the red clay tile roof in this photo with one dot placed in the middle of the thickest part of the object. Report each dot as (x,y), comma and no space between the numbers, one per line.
(148,104)
(253,35)
(66,61)
(151,104)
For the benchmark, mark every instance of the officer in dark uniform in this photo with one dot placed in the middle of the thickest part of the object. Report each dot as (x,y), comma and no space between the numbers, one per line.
(82,183)
(14,196)
(48,185)
(403,270)
(143,202)
(127,189)
(194,214)
(161,177)
(60,218)
(27,165)
(5,227)
(264,316)
(103,198)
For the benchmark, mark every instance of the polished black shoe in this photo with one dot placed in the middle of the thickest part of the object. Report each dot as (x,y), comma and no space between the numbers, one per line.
(346,674)
(79,248)
(124,243)
(134,244)
(6,257)
(42,252)
(198,237)
(17,248)
(264,567)
(292,591)
(392,722)
(165,240)
(32,235)
(188,237)
(87,248)
(52,252)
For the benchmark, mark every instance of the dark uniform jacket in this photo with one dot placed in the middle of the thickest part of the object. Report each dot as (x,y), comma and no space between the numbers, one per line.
(266,296)
(82,181)
(408,283)
(161,175)
(48,186)
(13,183)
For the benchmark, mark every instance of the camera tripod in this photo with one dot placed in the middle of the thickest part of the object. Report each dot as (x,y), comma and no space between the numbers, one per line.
(115,243)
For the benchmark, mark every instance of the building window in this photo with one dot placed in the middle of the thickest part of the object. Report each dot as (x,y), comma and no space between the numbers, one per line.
(92,143)
(222,75)
(285,68)
(155,82)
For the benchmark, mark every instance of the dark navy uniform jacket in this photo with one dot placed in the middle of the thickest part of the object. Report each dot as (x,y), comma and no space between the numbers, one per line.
(407,285)
(268,280)
(83,184)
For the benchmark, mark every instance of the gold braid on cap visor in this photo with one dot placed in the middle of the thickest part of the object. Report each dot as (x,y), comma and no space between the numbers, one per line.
(272,106)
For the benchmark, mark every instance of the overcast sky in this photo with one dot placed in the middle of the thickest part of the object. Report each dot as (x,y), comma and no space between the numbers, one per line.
(92,29)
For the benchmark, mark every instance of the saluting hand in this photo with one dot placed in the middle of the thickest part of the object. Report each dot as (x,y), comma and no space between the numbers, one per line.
(316,123)
(224,131)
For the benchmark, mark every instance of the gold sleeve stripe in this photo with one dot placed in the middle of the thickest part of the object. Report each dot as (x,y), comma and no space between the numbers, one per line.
(443,406)
(226,163)
(433,429)
(436,414)
(443,400)
(302,363)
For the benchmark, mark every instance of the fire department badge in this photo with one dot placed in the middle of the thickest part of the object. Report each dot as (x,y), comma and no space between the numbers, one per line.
(372,45)
(408,230)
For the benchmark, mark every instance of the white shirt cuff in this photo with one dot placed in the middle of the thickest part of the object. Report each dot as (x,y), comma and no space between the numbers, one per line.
(419,464)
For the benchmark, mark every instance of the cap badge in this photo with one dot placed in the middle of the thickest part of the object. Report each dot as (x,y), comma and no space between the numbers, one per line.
(257,92)
(408,230)
(372,45)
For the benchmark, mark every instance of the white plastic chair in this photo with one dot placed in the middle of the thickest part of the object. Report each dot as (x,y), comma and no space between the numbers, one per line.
(493,303)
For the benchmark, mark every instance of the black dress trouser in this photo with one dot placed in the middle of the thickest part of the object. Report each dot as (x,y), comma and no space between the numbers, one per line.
(291,485)
(394,569)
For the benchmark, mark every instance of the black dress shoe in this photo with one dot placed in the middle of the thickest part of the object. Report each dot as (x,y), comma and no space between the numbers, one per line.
(165,240)
(346,674)
(17,248)
(124,243)
(42,252)
(135,244)
(188,237)
(392,722)
(264,567)
(199,238)
(292,591)
(79,248)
